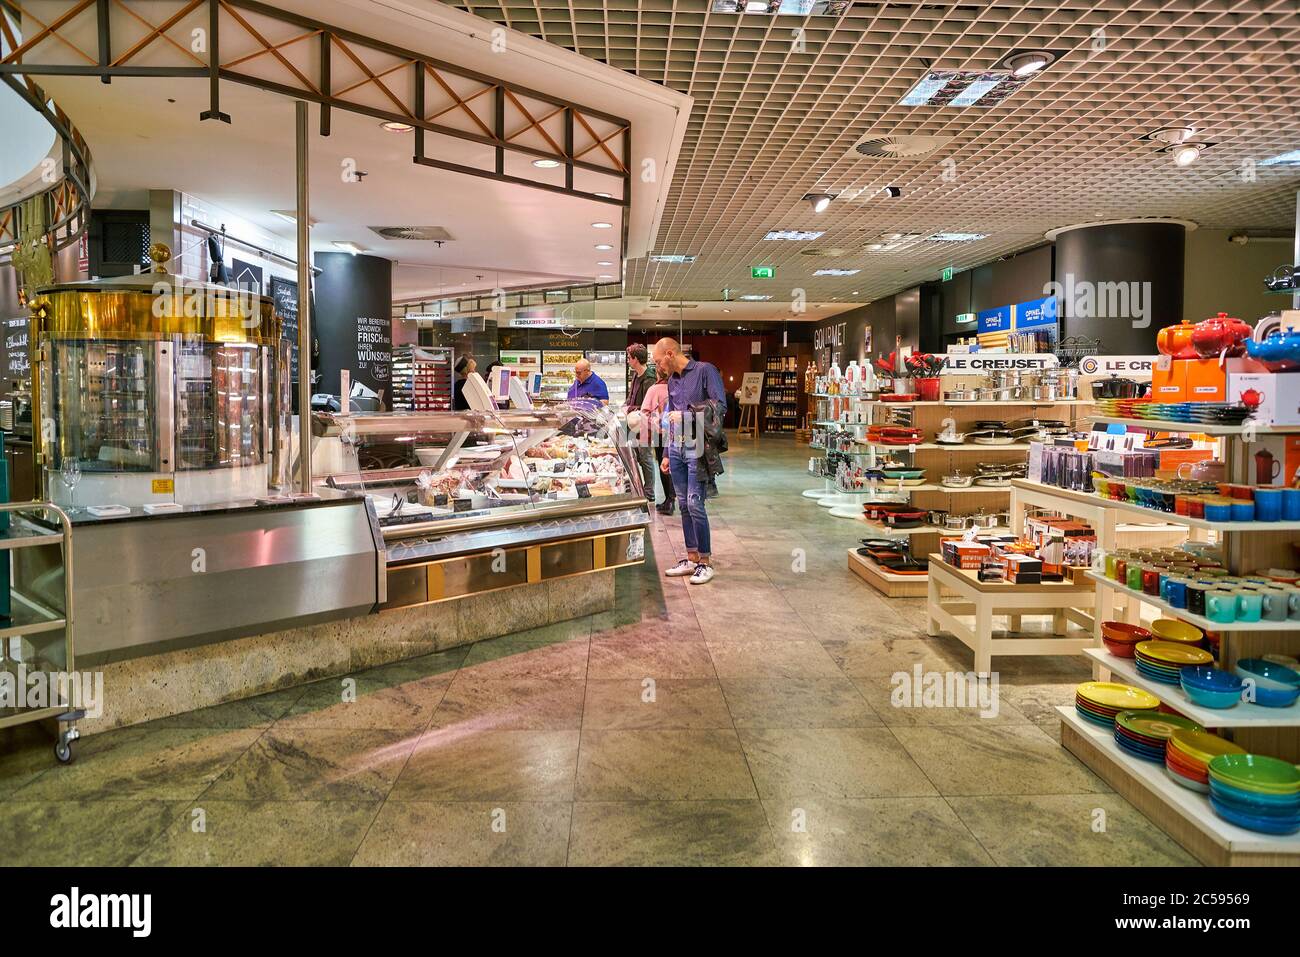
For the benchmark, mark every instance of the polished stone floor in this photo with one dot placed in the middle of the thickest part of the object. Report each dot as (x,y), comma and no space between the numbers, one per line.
(743,722)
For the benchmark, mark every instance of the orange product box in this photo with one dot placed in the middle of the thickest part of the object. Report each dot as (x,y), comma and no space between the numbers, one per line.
(1171,459)
(962,554)
(1168,380)
(1206,380)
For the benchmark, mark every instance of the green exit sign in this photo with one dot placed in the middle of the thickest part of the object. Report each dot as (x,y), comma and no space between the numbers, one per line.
(947,273)
(762,272)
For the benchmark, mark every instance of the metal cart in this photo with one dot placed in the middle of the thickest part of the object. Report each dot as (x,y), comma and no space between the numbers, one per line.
(25,640)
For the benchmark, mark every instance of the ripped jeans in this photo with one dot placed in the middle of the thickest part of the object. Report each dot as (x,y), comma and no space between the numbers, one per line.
(689,479)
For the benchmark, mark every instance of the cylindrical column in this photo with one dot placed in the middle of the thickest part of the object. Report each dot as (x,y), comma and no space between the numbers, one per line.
(304,302)
(1120,282)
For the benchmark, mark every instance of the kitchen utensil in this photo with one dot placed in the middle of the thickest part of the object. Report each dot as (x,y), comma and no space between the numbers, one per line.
(957,480)
(960,395)
(1115,388)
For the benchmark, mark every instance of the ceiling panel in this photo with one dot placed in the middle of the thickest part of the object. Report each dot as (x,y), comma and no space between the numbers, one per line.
(781,101)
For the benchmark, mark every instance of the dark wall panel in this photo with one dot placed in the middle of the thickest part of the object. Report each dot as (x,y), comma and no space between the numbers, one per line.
(353,308)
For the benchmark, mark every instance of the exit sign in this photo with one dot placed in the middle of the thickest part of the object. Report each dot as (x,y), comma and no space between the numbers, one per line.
(762,272)
(947,273)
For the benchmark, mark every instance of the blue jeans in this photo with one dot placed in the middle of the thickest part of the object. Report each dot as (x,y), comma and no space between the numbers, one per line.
(688,482)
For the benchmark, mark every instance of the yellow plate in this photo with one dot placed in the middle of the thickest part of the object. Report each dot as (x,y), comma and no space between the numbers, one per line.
(1201,745)
(1170,629)
(1118,696)
(1174,653)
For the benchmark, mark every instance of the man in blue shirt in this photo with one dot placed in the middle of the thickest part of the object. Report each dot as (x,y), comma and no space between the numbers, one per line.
(586,384)
(691,384)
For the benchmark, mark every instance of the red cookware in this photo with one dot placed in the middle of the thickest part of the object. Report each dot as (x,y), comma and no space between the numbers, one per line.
(1221,335)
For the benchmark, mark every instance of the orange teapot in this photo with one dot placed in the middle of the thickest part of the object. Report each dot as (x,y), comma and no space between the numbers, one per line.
(1176,341)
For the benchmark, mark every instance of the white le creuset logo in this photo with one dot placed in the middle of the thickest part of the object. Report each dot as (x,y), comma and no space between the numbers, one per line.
(75,909)
(1105,365)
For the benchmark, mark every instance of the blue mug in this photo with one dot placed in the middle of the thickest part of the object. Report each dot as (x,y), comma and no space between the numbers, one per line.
(1243,511)
(1269,504)
(1291,504)
(1176,592)
(1218,512)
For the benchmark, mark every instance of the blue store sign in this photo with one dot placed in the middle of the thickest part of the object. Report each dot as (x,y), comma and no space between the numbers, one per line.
(994,320)
(1036,312)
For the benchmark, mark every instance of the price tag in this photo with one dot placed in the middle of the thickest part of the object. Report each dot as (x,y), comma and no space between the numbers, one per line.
(584,491)
(462,505)
(163,486)
(636,547)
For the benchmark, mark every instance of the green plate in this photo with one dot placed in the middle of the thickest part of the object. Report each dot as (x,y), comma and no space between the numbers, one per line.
(1152,725)
(1257,771)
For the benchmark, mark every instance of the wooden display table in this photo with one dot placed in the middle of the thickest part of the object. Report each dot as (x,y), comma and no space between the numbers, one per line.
(1061,601)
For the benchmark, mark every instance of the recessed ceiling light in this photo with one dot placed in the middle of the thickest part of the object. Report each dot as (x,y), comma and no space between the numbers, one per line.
(1283,159)
(604,262)
(753,298)
(957,237)
(290,216)
(605,275)
(604,195)
(795,235)
(602,225)
(836,272)
(674,258)
(819,201)
(604,246)
(1028,63)
(1186,154)
(350,247)
(395,127)
(726,310)
(545,163)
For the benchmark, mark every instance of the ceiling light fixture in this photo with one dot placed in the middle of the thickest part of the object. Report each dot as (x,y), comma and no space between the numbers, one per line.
(752,298)
(893,192)
(957,237)
(819,201)
(546,163)
(604,262)
(795,235)
(837,272)
(1282,159)
(393,126)
(348,246)
(1179,144)
(679,258)
(602,225)
(1185,154)
(603,246)
(1028,63)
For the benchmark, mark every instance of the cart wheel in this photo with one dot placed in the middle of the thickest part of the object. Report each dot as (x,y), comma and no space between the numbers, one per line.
(63,751)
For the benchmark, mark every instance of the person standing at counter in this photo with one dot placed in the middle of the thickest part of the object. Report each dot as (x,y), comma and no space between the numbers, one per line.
(653,407)
(694,389)
(586,384)
(642,380)
(464,366)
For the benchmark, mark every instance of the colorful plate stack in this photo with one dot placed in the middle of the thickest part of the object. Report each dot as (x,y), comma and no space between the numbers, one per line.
(1188,754)
(1143,734)
(1121,638)
(1163,660)
(1255,792)
(1100,701)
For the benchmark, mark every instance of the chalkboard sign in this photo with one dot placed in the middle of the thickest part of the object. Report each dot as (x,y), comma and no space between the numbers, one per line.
(17,357)
(285,294)
(374,350)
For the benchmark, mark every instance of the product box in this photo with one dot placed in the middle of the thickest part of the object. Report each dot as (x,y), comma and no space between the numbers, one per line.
(1171,459)
(962,554)
(1278,394)
(1168,380)
(1023,569)
(1205,380)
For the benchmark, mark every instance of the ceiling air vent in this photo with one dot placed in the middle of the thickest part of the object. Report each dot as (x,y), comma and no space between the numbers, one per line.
(435,233)
(825,252)
(902,146)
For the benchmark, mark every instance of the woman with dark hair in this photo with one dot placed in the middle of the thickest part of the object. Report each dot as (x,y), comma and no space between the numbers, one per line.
(464,366)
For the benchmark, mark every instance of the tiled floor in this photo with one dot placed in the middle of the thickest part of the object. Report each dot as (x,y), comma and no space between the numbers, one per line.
(747,721)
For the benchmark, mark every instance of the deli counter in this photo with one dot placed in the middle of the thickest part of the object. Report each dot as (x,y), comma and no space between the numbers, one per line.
(166,435)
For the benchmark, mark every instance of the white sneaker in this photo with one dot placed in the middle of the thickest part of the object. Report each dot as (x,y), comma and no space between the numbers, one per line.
(702,574)
(684,567)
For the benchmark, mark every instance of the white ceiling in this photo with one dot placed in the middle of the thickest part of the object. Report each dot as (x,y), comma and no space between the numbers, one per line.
(737,312)
(772,122)
(145,134)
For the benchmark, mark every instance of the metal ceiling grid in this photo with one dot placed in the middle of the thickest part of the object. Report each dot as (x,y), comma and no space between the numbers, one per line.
(773,121)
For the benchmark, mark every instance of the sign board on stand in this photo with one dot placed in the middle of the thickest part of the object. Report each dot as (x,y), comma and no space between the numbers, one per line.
(751,388)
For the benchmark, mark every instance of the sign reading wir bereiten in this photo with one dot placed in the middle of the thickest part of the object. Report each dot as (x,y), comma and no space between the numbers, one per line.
(374,348)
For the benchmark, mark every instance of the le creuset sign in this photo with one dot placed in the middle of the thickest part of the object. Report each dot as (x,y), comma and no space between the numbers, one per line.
(1139,366)
(974,363)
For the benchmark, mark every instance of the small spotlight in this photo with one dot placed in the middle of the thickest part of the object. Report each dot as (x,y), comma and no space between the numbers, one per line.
(602,225)
(1186,154)
(546,164)
(819,201)
(1024,64)
(893,192)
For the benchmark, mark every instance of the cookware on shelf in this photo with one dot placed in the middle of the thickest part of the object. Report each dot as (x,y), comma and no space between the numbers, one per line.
(1221,335)
(1176,341)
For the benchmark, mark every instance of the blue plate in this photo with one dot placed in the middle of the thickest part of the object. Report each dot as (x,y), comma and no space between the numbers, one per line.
(1103,722)
(1210,679)
(1251,822)
(1286,803)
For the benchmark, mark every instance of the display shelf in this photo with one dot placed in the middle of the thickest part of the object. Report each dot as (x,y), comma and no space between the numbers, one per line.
(889,489)
(986,403)
(23,534)
(939,446)
(1192,428)
(885,581)
(1169,518)
(928,529)
(1184,814)
(1239,716)
(1200,621)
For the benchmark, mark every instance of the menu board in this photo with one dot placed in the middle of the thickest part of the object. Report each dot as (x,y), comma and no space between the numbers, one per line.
(285,294)
(557,371)
(17,357)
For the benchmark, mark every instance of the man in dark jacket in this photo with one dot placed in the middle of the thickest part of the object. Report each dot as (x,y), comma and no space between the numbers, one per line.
(642,379)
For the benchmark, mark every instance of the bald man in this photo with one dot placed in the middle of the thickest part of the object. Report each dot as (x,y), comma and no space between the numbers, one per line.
(586,384)
(693,388)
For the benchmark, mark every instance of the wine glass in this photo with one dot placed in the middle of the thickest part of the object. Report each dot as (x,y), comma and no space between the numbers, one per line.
(70,474)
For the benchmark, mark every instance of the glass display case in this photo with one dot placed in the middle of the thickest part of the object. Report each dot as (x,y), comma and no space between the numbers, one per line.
(462,486)
(156,392)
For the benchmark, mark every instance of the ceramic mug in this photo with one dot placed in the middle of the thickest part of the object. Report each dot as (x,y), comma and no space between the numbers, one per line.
(1292,602)
(1209,470)
(1291,504)
(1274,605)
(1243,510)
(1221,606)
(1133,576)
(1196,594)
(1269,504)
(1176,592)
(1250,604)
(1218,510)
